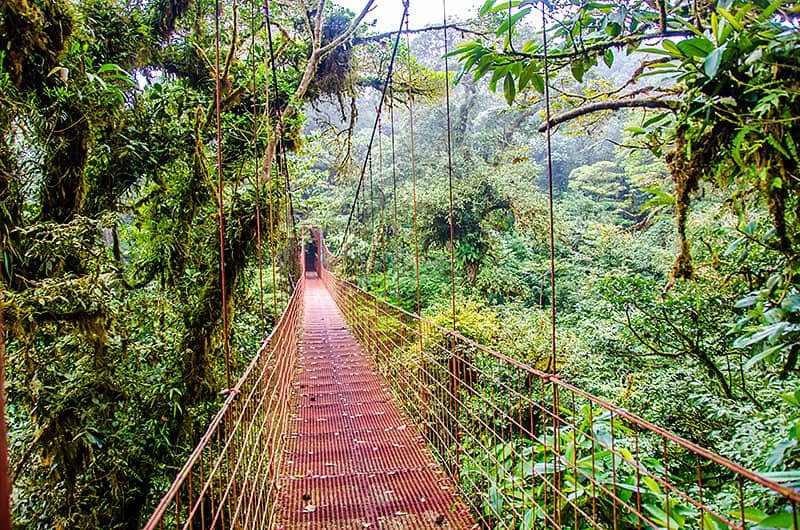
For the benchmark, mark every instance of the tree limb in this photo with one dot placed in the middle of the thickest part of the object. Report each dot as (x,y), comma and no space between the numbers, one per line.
(648,103)
(382,36)
(349,31)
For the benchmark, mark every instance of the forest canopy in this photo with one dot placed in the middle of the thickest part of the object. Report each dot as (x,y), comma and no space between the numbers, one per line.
(675,178)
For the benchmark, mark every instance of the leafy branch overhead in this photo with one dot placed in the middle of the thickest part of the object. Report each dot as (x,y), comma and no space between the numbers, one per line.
(726,72)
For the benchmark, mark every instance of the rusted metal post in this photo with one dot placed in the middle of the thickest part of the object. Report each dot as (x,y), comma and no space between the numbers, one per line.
(5,482)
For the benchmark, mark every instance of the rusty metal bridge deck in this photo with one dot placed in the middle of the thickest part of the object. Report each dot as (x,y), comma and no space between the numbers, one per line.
(356,414)
(352,459)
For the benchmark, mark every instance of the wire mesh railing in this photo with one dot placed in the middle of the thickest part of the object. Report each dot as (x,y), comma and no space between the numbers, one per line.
(231,477)
(529,450)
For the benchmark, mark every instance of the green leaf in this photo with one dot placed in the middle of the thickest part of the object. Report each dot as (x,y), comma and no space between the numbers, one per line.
(656,119)
(525,77)
(754,515)
(712,523)
(696,47)
(791,398)
(747,301)
(712,62)
(656,51)
(671,48)
(779,520)
(608,58)
(498,73)
(486,6)
(578,69)
(777,146)
(660,197)
(792,147)
(509,22)
(529,518)
(109,67)
(503,7)
(732,20)
(651,484)
(660,517)
(95,440)
(778,452)
(736,145)
(752,361)
(509,89)
(770,10)
(538,82)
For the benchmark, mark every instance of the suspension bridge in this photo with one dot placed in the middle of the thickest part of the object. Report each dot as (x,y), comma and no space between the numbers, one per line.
(355,413)
(358,414)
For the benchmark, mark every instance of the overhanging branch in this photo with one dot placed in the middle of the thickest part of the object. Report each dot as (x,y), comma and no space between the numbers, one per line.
(647,103)
(383,36)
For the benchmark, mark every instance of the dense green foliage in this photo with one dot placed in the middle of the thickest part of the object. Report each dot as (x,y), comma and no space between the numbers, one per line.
(676,240)
(675,292)
(109,245)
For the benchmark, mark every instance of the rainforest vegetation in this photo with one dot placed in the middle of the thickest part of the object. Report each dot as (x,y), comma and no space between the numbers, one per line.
(675,178)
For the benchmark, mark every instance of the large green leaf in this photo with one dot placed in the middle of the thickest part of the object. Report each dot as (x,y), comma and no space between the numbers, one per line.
(779,520)
(509,88)
(712,62)
(696,47)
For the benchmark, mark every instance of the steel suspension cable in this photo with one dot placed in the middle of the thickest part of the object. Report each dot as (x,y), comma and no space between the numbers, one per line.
(449,169)
(551,226)
(368,213)
(414,231)
(396,231)
(389,72)
(372,211)
(550,200)
(291,236)
(270,65)
(278,129)
(257,165)
(287,175)
(221,214)
(382,221)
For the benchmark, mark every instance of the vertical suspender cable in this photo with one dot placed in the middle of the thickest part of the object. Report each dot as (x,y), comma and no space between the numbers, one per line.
(449,169)
(551,225)
(395,228)
(551,222)
(415,235)
(291,233)
(221,216)
(368,212)
(372,207)
(382,220)
(289,201)
(374,128)
(455,362)
(268,169)
(278,128)
(257,165)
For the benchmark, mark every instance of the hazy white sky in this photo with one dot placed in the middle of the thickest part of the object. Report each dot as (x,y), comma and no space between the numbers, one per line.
(421,12)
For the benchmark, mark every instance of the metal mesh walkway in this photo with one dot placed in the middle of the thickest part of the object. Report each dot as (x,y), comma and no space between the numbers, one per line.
(311,438)
(352,459)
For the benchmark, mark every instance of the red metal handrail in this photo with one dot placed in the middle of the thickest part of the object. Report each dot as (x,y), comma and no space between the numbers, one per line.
(529,450)
(230,479)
